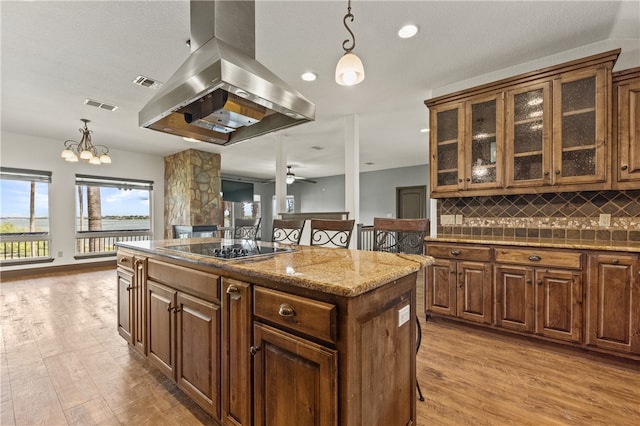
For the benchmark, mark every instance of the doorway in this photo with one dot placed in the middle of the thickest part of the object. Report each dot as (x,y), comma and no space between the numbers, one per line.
(411,202)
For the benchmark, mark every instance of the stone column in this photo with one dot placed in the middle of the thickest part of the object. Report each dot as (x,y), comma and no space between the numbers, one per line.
(191,190)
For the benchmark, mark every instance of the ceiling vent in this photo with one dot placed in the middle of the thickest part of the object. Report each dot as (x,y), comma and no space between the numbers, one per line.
(143,81)
(100,105)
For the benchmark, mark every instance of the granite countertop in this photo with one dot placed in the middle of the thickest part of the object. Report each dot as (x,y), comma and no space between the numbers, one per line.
(329,270)
(625,246)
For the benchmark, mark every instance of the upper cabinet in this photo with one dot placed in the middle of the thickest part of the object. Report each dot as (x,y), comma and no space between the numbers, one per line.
(626,107)
(544,131)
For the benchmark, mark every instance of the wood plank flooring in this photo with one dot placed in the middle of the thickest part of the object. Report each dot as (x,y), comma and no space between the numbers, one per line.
(62,362)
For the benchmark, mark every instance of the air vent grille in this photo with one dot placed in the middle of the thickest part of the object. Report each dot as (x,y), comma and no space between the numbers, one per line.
(100,105)
(141,80)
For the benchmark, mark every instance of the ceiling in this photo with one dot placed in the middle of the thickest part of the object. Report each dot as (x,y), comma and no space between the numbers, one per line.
(56,54)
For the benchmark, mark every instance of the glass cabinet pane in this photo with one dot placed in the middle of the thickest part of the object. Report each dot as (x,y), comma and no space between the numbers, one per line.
(528,135)
(447,147)
(483,142)
(579,127)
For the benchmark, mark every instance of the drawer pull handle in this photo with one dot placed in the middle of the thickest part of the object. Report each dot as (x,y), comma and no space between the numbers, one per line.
(615,261)
(129,287)
(254,350)
(539,282)
(535,258)
(124,260)
(455,252)
(286,310)
(528,280)
(233,292)
(624,167)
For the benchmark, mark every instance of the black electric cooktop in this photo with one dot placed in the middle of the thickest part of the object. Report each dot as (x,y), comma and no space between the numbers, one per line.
(229,249)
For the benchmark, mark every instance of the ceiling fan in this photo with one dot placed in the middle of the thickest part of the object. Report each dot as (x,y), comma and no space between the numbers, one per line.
(291,177)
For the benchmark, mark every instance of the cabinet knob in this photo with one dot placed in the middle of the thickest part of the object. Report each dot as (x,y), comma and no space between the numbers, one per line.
(455,252)
(528,281)
(535,258)
(286,310)
(546,173)
(124,260)
(233,292)
(468,179)
(254,350)
(459,180)
(557,172)
(615,261)
(539,282)
(624,167)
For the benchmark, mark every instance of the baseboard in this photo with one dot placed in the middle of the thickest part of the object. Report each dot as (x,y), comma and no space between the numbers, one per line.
(49,270)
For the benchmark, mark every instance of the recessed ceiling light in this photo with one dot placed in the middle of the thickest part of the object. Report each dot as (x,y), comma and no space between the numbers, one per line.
(309,76)
(408,31)
(425,130)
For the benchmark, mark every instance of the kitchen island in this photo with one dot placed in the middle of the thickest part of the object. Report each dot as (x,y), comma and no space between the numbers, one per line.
(303,336)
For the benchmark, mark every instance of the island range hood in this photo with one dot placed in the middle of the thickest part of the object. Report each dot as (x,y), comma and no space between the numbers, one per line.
(221,94)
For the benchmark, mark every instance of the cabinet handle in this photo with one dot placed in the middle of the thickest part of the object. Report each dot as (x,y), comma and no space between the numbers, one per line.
(459,180)
(286,310)
(176,310)
(624,167)
(546,173)
(528,281)
(557,172)
(129,288)
(124,260)
(455,252)
(535,258)
(615,261)
(468,179)
(539,282)
(233,292)
(254,350)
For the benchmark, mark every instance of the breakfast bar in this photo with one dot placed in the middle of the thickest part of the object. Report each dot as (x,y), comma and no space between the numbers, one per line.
(261,333)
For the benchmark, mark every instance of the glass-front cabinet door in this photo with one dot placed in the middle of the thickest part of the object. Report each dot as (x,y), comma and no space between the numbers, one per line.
(483,147)
(580,116)
(528,136)
(447,130)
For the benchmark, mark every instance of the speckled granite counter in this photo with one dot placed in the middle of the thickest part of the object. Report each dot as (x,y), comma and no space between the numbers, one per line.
(334,271)
(633,247)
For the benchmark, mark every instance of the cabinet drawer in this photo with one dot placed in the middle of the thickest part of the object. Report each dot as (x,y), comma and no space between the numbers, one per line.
(196,283)
(444,251)
(125,259)
(317,319)
(555,258)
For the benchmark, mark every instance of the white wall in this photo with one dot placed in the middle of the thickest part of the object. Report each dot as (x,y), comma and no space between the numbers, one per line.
(27,152)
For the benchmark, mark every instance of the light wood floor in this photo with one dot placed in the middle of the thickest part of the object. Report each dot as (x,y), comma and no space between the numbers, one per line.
(63,362)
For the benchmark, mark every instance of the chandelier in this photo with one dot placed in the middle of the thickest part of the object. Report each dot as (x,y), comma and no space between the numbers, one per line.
(85,150)
(349,70)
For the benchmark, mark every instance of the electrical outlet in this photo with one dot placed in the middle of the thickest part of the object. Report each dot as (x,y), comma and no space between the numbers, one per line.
(447,219)
(458,219)
(59,254)
(605,219)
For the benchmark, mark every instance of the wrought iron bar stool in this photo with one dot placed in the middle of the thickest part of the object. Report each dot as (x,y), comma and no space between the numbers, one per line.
(288,231)
(331,232)
(246,229)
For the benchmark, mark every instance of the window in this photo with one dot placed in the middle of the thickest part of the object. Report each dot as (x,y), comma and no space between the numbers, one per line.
(241,210)
(289,205)
(109,210)
(24,216)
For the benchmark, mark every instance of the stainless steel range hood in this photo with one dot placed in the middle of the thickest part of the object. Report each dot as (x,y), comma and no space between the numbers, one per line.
(221,94)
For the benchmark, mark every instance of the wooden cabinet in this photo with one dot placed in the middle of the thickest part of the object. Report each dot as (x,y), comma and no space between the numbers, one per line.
(237,366)
(548,130)
(458,284)
(614,302)
(131,273)
(288,368)
(626,90)
(534,295)
(184,330)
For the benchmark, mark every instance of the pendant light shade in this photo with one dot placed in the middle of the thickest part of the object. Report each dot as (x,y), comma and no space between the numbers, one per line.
(349,70)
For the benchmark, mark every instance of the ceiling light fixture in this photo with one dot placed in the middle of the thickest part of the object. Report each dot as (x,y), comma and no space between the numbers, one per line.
(290,176)
(85,150)
(349,70)
(408,31)
(425,130)
(309,76)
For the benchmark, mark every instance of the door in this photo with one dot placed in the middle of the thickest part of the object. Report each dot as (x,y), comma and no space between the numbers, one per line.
(629,132)
(288,368)
(515,302)
(411,202)
(161,327)
(198,341)
(474,292)
(441,287)
(559,304)
(125,304)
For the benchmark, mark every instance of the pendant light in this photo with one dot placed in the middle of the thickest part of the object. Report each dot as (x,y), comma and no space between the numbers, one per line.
(85,149)
(349,70)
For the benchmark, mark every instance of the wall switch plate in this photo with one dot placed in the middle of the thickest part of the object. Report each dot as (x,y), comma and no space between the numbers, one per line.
(605,219)
(458,219)
(404,314)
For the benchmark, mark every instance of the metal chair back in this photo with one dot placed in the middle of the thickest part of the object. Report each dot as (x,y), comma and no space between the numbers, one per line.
(331,232)
(246,229)
(399,235)
(288,231)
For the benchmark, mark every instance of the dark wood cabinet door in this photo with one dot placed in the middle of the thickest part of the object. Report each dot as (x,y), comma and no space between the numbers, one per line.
(474,291)
(515,298)
(237,329)
(125,304)
(559,304)
(198,350)
(441,287)
(614,302)
(628,132)
(140,280)
(161,301)
(288,368)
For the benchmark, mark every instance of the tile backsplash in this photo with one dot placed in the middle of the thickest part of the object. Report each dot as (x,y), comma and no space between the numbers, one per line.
(566,215)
